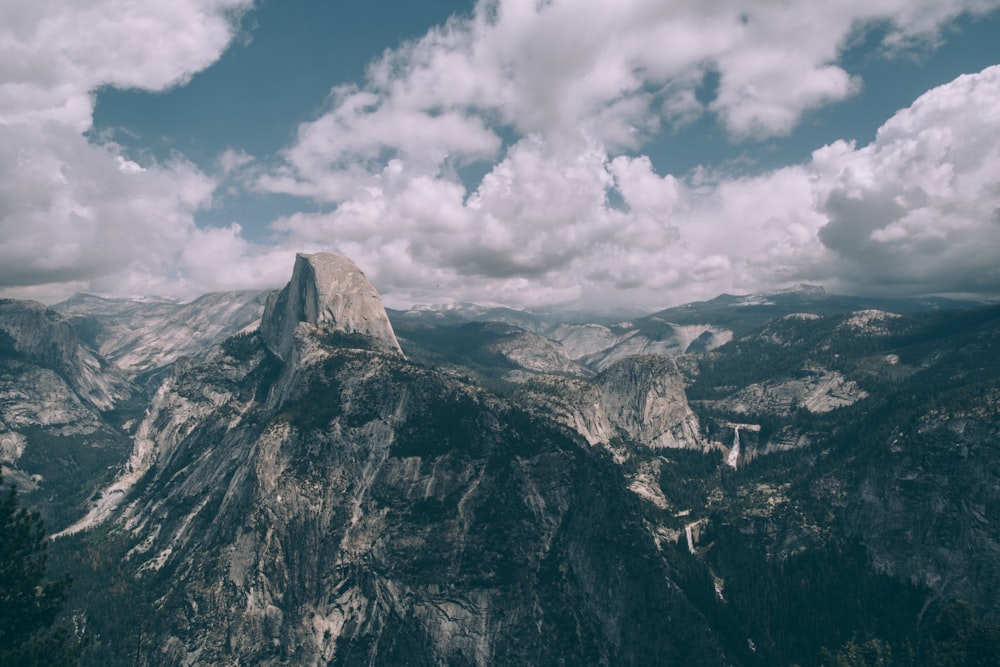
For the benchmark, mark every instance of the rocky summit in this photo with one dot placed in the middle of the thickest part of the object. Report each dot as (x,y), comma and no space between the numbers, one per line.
(797,478)
(328,294)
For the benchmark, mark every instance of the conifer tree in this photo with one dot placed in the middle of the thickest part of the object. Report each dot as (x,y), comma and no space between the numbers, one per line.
(29,603)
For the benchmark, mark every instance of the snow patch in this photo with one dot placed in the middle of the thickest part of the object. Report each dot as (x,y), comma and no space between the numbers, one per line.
(869,321)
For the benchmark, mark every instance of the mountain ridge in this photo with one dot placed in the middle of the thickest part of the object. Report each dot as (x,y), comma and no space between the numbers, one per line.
(509,493)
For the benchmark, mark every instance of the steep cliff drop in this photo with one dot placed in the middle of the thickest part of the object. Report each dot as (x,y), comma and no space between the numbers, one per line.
(328,294)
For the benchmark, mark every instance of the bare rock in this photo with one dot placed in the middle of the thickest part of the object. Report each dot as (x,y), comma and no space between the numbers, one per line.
(328,294)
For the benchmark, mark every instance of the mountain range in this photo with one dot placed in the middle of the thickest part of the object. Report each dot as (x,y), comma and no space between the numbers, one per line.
(302,477)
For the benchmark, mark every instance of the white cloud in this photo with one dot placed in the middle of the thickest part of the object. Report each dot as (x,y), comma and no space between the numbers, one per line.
(608,71)
(555,100)
(577,83)
(77,214)
(916,210)
(919,208)
(56,52)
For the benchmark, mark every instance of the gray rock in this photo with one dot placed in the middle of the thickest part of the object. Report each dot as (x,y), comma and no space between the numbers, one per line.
(144,335)
(327,294)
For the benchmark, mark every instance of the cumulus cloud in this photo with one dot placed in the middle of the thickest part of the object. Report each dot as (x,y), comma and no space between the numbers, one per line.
(56,52)
(73,210)
(614,72)
(75,214)
(571,210)
(919,208)
(554,102)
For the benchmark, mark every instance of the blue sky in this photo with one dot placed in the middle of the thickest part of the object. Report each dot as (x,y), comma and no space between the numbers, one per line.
(581,153)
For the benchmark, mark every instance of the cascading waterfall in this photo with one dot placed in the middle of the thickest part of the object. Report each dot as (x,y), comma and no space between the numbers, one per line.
(734,453)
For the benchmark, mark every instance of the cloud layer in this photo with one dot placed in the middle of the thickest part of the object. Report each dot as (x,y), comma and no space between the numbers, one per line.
(570,212)
(75,213)
(554,101)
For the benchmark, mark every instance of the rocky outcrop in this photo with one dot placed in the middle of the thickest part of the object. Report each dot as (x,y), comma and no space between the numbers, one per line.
(638,399)
(644,398)
(818,391)
(573,402)
(328,294)
(533,353)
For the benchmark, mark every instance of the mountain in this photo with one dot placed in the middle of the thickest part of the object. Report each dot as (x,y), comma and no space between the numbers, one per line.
(596,343)
(57,438)
(758,480)
(328,295)
(867,426)
(309,496)
(141,336)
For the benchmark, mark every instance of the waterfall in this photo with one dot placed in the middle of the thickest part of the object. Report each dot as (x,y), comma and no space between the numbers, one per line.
(734,453)
(690,537)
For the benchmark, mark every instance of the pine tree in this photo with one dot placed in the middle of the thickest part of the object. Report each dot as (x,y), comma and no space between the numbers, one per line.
(28,603)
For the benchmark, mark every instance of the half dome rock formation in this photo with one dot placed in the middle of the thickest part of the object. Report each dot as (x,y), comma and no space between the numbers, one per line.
(330,294)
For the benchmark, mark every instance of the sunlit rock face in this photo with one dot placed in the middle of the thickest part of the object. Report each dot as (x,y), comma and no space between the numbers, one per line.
(329,293)
(144,336)
(639,399)
(42,338)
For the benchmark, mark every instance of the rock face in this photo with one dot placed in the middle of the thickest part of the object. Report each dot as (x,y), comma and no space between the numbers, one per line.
(327,293)
(387,514)
(44,338)
(54,392)
(599,346)
(141,336)
(644,397)
(640,400)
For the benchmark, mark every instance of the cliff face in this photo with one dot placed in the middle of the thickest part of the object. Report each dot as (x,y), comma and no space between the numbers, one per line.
(142,336)
(640,400)
(41,337)
(327,294)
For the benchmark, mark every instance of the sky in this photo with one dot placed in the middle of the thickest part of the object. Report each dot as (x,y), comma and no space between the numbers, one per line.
(584,154)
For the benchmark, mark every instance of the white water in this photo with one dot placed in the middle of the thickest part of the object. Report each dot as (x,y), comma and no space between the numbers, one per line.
(687,531)
(734,453)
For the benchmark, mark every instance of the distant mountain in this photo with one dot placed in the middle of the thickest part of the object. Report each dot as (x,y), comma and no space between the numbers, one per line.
(742,314)
(57,436)
(596,343)
(141,336)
